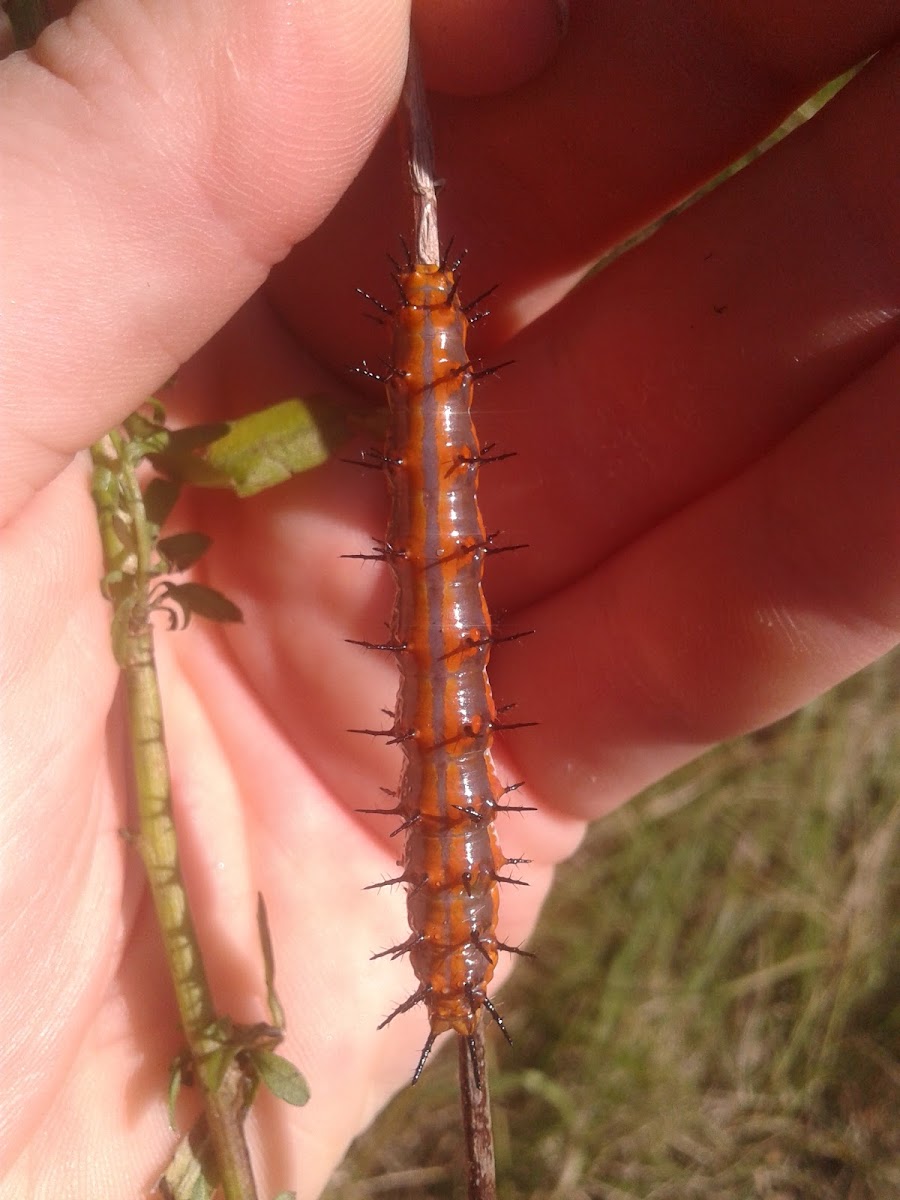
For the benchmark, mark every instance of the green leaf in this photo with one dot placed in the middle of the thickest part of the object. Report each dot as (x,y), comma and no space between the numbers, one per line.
(180,461)
(281,1077)
(286,1196)
(215,1065)
(196,599)
(123,529)
(147,434)
(104,483)
(159,499)
(265,448)
(182,550)
(196,437)
(191,1175)
(176,1078)
(157,408)
(265,941)
(256,451)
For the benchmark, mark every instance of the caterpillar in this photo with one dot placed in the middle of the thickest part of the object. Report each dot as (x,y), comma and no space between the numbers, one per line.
(441,634)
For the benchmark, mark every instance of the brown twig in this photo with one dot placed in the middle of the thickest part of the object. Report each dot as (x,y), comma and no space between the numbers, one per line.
(476,1107)
(427,247)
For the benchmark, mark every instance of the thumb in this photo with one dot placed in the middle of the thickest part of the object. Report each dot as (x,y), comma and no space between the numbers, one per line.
(156,160)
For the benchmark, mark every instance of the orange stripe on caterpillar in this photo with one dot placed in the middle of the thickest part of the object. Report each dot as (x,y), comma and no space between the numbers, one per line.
(445,716)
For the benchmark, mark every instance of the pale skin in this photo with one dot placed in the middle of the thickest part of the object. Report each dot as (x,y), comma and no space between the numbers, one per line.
(707,480)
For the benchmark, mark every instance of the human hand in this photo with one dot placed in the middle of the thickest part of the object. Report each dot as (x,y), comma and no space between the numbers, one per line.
(691,573)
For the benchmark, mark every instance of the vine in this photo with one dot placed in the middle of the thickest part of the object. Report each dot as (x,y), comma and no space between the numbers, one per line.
(226,1060)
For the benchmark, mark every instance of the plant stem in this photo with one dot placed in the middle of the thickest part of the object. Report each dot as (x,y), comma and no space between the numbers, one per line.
(476,1107)
(157,840)
(224,1100)
(225,1092)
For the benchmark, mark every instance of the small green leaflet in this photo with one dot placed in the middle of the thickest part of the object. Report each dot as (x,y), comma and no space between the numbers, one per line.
(159,499)
(257,451)
(265,941)
(281,1077)
(182,550)
(176,1078)
(196,599)
(191,1175)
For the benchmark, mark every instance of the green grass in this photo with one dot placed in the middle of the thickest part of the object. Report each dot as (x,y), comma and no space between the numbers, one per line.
(715,1012)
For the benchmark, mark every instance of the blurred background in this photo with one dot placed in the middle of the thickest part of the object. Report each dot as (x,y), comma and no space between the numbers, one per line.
(714,1011)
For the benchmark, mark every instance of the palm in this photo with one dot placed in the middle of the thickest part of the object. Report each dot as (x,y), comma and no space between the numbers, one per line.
(647,498)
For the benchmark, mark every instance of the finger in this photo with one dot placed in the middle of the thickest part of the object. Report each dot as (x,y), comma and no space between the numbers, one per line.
(468,48)
(61,856)
(690,357)
(729,615)
(636,396)
(640,105)
(156,161)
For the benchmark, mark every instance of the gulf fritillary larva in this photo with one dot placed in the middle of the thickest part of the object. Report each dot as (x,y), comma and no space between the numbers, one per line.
(441,633)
